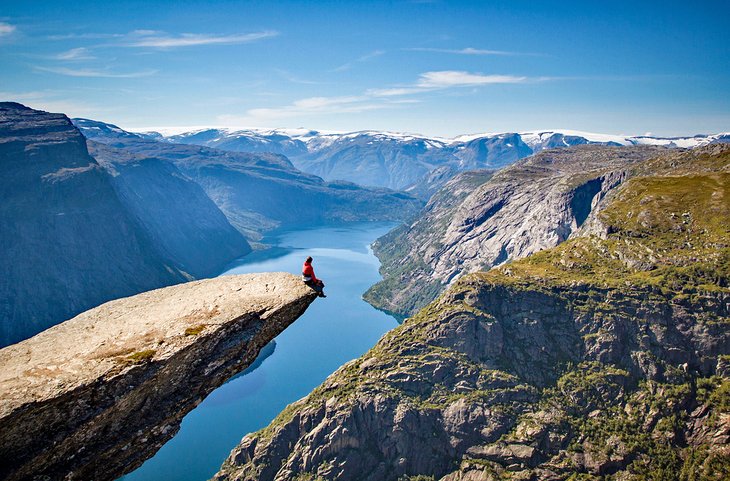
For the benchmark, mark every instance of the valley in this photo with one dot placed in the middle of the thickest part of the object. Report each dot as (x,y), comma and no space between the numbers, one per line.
(98,221)
(330,333)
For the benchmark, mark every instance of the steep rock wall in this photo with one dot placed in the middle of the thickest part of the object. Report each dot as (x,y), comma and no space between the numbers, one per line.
(469,226)
(66,241)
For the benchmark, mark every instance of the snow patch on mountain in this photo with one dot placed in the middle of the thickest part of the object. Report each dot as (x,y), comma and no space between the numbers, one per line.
(401,160)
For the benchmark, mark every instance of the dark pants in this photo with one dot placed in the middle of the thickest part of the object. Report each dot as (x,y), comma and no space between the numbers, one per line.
(317,286)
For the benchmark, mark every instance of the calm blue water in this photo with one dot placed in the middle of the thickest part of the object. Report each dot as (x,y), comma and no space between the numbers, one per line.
(332,331)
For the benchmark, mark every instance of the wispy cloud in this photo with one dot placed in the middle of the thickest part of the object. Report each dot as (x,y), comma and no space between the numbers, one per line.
(444,79)
(315,105)
(310,106)
(395,91)
(363,58)
(373,99)
(85,36)
(89,72)
(6,29)
(294,79)
(50,101)
(155,39)
(371,55)
(470,51)
(80,53)
(23,96)
(458,78)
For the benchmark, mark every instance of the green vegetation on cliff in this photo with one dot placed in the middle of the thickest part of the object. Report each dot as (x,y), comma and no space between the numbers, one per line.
(670,231)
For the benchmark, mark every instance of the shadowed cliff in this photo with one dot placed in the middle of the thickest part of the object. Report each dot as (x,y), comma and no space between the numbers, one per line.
(66,241)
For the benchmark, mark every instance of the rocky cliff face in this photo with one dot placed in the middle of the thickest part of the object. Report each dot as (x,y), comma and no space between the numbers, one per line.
(66,243)
(95,396)
(481,220)
(261,191)
(183,222)
(607,357)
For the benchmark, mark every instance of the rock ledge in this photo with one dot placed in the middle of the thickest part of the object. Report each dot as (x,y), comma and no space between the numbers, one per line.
(95,396)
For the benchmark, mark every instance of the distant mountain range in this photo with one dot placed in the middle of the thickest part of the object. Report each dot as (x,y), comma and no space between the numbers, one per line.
(259,191)
(404,161)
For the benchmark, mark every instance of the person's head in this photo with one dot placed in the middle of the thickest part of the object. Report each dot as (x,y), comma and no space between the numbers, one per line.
(309,260)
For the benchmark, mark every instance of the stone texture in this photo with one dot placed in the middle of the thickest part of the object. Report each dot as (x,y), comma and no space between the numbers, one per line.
(477,222)
(95,396)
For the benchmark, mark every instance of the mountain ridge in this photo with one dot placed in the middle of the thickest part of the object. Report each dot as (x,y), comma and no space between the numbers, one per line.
(403,161)
(312,134)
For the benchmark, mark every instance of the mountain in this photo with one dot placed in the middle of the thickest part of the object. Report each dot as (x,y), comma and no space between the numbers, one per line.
(403,161)
(481,219)
(274,142)
(606,357)
(374,158)
(432,182)
(261,191)
(195,234)
(67,243)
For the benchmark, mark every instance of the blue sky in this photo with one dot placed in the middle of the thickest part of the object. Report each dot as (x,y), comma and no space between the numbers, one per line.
(431,67)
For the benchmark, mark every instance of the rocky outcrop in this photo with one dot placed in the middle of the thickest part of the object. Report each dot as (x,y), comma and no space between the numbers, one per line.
(95,396)
(66,242)
(184,223)
(260,191)
(604,356)
(431,182)
(478,221)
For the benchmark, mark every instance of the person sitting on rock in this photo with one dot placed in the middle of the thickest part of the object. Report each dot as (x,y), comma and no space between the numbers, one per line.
(310,279)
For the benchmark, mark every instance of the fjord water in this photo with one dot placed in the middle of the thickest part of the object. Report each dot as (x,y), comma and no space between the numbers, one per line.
(331,332)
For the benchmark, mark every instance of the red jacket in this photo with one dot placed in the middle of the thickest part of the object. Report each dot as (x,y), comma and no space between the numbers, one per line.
(307,270)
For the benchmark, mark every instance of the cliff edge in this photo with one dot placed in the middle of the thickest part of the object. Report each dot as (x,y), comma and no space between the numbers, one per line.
(93,397)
